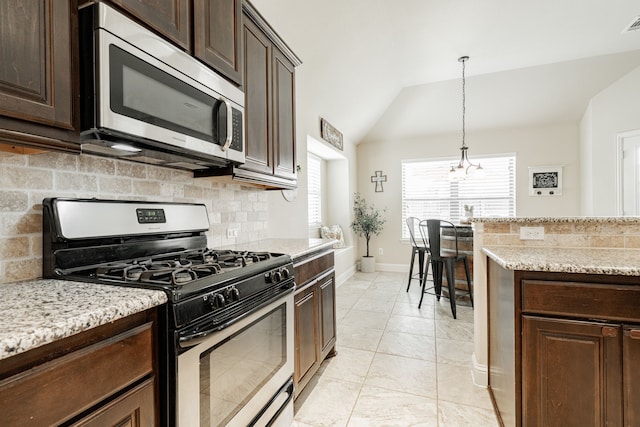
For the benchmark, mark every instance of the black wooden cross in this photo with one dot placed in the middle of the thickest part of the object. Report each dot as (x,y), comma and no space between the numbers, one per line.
(378,178)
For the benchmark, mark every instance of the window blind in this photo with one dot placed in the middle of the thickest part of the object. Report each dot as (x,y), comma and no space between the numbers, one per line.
(314,189)
(428,193)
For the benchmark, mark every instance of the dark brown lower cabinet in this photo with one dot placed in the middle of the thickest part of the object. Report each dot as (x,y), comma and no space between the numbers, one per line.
(571,373)
(315,315)
(101,377)
(564,348)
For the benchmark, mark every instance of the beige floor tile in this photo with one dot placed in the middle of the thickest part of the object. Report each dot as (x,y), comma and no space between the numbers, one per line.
(358,337)
(408,345)
(402,374)
(379,407)
(454,330)
(454,352)
(458,415)
(411,309)
(411,325)
(366,319)
(326,402)
(455,384)
(349,364)
(381,305)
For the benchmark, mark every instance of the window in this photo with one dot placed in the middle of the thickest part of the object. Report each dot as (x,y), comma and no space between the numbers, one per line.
(314,183)
(428,193)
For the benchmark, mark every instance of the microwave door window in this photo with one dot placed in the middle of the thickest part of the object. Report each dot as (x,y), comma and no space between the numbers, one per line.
(145,93)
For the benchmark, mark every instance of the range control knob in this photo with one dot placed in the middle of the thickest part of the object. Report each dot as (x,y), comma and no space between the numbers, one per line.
(217,301)
(232,294)
(285,273)
(276,277)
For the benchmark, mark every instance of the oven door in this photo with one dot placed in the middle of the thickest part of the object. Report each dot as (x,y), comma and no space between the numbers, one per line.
(241,375)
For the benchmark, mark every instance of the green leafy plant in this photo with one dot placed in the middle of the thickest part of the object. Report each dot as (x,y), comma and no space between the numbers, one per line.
(367,221)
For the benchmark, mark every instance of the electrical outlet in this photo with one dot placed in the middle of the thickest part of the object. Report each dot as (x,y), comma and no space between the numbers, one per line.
(531,233)
(232,233)
(380,251)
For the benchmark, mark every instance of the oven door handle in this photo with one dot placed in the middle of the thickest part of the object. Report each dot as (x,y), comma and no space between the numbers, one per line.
(193,340)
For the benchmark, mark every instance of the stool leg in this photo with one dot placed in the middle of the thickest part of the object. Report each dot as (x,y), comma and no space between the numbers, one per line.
(451,282)
(436,270)
(413,256)
(466,271)
(421,261)
(423,281)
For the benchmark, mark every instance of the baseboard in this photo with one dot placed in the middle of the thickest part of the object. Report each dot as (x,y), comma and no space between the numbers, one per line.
(396,268)
(479,372)
(345,275)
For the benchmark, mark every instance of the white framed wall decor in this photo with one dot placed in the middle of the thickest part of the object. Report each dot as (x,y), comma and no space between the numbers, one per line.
(545,180)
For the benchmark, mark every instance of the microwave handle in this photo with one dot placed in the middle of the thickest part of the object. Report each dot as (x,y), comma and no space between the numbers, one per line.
(229,139)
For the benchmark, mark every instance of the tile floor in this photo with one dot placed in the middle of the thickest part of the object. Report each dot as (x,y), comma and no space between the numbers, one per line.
(397,365)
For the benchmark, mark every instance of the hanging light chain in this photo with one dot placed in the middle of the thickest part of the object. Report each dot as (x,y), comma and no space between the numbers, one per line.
(463,59)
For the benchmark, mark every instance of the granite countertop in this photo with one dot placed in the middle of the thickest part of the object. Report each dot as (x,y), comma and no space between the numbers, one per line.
(624,262)
(294,247)
(38,312)
(561,219)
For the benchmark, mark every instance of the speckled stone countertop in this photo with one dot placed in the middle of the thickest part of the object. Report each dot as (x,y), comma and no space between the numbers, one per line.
(294,247)
(561,219)
(38,312)
(624,262)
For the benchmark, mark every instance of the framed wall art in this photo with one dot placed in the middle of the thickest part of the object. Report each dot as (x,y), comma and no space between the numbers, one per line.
(330,134)
(545,181)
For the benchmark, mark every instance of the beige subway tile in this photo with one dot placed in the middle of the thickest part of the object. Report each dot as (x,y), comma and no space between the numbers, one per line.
(573,240)
(182,176)
(14,247)
(55,161)
(497,228)
(96,165)
(36,245)
(66,181)
(24,178)
(607,241)
(158,173)
(146,188)
(171,190)
(14,201)
(558,228)
(509,240)
(632,242)
(131,169)
(22,223)
(13,159)
(115,185)
(587,228)
(193,192)
(16,271)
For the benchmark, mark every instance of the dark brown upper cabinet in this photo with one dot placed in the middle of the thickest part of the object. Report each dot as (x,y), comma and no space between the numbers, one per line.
(217,34)
(269,84)
(38,63)
(171,18)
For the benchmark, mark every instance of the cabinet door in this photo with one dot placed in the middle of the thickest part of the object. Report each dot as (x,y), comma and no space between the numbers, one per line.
(216,35)
(257,86)
(631,375)
(306,333)
(133,409)
(170,18)
(571,373)
(284,144)
(327,291)
(36,61)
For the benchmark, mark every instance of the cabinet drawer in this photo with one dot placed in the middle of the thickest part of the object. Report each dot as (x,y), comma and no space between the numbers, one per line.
(307,268)
(66,386)
(586,300)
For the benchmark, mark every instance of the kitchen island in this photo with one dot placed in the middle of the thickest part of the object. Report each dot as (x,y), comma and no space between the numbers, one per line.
(564,335)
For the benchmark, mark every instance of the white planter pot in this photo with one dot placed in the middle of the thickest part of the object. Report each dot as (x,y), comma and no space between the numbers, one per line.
(368,264)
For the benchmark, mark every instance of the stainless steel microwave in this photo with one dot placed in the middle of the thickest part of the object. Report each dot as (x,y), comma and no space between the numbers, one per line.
(145,100)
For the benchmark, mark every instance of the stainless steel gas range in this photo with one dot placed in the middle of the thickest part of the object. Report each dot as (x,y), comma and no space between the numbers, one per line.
(226,337)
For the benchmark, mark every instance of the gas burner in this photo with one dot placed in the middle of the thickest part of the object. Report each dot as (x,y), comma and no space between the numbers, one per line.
(122,271)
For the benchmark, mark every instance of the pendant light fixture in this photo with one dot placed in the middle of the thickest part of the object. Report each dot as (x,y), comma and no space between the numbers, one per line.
(464,168)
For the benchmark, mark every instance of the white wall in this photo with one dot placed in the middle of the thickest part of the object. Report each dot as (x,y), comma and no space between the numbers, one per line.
(614,110)
(553,145)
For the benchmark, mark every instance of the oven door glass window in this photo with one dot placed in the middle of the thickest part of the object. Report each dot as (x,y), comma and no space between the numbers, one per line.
(233,371)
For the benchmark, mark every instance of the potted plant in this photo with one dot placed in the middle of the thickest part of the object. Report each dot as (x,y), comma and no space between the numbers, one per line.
(367,221)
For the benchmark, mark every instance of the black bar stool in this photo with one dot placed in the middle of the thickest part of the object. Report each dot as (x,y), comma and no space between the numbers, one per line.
(419,248)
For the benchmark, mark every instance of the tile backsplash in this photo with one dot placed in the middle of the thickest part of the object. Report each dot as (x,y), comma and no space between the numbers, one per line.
(27,179)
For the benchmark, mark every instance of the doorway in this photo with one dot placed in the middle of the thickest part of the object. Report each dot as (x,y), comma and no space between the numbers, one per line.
(629,173)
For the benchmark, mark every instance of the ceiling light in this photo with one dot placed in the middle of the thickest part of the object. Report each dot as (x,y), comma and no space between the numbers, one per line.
(464,168)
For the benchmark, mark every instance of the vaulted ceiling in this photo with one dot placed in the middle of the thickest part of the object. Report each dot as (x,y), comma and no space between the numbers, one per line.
(379,69)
